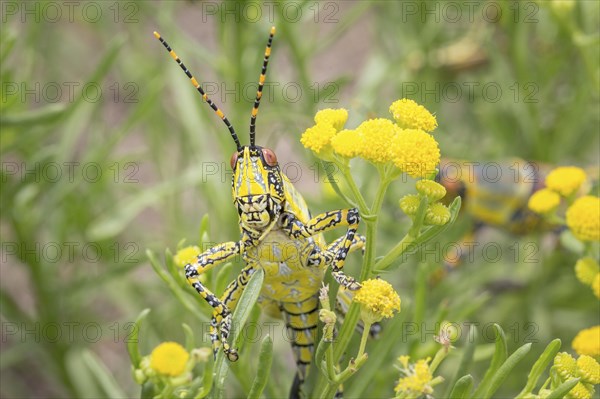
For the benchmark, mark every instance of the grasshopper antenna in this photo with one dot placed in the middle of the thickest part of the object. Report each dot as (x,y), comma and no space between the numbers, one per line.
(261,82)
(199,88)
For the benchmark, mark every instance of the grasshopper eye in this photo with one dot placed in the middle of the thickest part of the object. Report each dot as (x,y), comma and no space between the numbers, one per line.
(269,157)
(233,160)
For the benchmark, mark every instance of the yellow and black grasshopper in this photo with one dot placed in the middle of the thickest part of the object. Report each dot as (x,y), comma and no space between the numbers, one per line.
(279,236)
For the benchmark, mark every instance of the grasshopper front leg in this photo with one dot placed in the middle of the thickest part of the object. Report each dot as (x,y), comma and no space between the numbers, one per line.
(221,321)
(320,224)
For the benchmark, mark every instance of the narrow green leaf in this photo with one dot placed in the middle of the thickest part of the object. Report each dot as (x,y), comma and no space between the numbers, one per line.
(204,230)
(506,368)
(81,376)
(462,388)
(207,380)
(264,368)
(178,291)
(563,389)
(467,358)
(240,315)
(44,115)
(500,354)
(133,340)
(426,235)
(102,375)
(540,365)
(190,340)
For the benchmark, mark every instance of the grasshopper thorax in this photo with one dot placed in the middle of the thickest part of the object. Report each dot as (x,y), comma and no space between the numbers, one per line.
(257,186)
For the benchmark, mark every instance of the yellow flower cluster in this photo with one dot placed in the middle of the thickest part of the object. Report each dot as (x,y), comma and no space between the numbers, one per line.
(417,378)
(544,201)
(416,153)
(334,117)
(410,115)
(585,367)
(406,144)
(375,136)
(169,359)
(318,137)
(377,300)
(587,271)
(587,342)
(345,143)
(566,180)
(186,255)
(583,218)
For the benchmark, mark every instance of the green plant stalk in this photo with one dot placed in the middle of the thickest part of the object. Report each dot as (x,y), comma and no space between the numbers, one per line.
(395,252)
(330,389)
(368,260)
(363,339)
(440,355)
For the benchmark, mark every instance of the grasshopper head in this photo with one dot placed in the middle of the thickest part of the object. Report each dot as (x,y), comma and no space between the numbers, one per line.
(257,186)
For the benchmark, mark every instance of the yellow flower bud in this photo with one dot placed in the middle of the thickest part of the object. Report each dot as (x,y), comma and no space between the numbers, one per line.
(432,189)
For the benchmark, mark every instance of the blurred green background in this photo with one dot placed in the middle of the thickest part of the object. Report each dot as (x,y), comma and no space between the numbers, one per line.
(107,151)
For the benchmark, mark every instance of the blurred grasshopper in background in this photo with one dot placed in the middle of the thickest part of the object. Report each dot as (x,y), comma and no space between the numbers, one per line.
(496,194)
(279,236)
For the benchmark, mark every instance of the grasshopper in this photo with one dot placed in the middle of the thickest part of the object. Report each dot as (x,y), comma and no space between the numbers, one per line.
(279,236)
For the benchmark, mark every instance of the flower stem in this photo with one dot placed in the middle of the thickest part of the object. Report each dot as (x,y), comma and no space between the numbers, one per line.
(362,204)
(363,339)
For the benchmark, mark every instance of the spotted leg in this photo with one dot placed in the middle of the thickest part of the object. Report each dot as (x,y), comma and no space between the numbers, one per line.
(221,320)
(322,223)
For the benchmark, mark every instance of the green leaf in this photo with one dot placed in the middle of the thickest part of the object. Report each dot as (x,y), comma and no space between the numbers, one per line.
(506,368)
(467,358)
(240,315)
(500,354)
(41,116)
(133,340)
(178,291)
(412,245)
(204,232)
(540,365)
(462,388)
(265,359)
(207,380)
(563,389)
(83,380)
(103,377)
(190,341)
